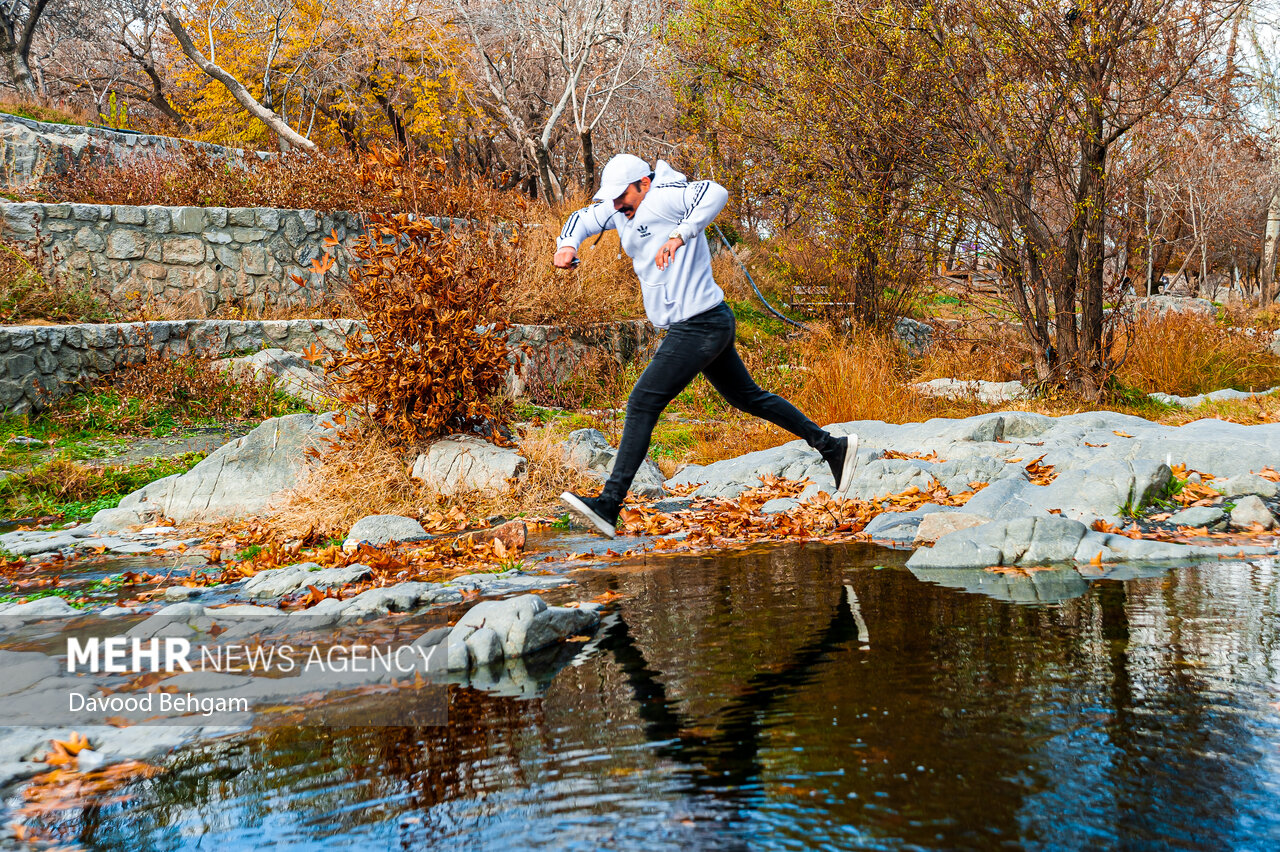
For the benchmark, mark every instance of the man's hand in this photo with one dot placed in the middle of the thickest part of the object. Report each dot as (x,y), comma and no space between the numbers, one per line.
(565,257)
(668,251)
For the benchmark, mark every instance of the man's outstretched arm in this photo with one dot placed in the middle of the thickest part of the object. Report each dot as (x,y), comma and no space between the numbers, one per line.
(582,224)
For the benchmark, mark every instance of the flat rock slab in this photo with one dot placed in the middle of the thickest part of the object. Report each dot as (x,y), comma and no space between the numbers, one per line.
(277,582)
(242,477)
(1038,541)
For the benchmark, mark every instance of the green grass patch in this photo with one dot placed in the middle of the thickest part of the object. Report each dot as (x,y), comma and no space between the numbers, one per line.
(75,491)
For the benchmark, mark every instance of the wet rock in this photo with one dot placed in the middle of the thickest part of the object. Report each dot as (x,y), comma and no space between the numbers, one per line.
(241,477)
(901,527)
(291,373)
(1197,516)
(935,525)
(1247,483)
(589,450)
(1052,539)
(175,620)
(277,582)
(402,597)
(522,625)
(512,534)
(112,520)
(378,530)
(1251,511)
(29,543)
(181,593)
(463,463)
(36,610)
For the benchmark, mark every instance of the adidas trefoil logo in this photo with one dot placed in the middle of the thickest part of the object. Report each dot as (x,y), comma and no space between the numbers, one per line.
(643,230)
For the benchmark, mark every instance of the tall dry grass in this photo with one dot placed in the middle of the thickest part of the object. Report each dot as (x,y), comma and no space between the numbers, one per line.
(602,288)
(364,473)
(1187,354)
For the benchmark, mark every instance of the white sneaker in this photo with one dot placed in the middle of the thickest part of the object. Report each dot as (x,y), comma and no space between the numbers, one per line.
(847,469)
(583,509)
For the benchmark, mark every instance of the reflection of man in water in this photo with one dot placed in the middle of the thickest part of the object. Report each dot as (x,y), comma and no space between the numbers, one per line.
(660,217)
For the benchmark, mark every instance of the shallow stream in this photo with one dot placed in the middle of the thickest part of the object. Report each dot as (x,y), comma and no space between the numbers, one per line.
(798,697)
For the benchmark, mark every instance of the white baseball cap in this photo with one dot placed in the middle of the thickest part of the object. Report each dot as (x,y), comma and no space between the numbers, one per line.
(619,173)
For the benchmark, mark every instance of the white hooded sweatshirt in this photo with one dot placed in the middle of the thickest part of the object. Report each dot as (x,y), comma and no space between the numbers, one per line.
(672,205)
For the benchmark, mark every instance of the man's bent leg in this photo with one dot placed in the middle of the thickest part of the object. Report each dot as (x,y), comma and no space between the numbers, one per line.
(686,351)
(729,376)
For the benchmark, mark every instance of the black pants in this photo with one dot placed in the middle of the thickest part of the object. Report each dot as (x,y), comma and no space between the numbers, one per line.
(700,344)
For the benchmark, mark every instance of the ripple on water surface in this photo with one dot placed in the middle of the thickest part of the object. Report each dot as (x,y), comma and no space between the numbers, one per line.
(799,698)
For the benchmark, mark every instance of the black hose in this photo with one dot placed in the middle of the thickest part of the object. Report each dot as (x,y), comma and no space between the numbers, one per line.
(771,308)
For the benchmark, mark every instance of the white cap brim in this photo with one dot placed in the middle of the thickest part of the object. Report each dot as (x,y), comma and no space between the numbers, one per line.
(608,193)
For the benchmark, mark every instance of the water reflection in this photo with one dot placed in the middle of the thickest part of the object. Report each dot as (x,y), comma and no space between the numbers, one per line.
(796,698)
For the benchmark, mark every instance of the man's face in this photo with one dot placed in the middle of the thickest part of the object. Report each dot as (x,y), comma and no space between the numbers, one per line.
(627,202)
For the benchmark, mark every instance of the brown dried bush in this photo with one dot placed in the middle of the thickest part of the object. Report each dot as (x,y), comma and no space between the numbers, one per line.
(433,356)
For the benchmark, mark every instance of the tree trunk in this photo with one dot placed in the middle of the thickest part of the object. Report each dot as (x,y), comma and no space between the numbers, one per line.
(1267,274)
(277,124)
(588,161)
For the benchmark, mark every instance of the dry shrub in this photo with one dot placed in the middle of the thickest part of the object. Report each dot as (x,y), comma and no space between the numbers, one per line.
(434,356)
(1187,354)
(163,393)
(602,288)
(986,350)
(27,295)
(361,473)
(366,472)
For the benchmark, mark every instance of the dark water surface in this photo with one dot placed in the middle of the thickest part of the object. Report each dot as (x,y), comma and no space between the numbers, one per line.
(799,698)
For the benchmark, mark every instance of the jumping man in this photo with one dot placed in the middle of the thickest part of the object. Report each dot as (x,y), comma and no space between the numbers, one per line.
(660,218)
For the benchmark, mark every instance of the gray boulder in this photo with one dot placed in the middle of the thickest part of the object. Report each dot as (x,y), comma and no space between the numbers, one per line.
(991,393)
(519,626)
(111,520)
(1101,490)
(277,582)
(31,542)
(242,477)
(36,610)
(464,463)
(1197,516)
(1250,511)
(1159,306)
(1247,483)
(384,529)
(589,450)
(901,527)
(290,372)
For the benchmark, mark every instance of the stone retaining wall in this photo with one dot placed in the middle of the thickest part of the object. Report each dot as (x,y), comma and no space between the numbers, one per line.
(197,258)
(41,363)
(30,150)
